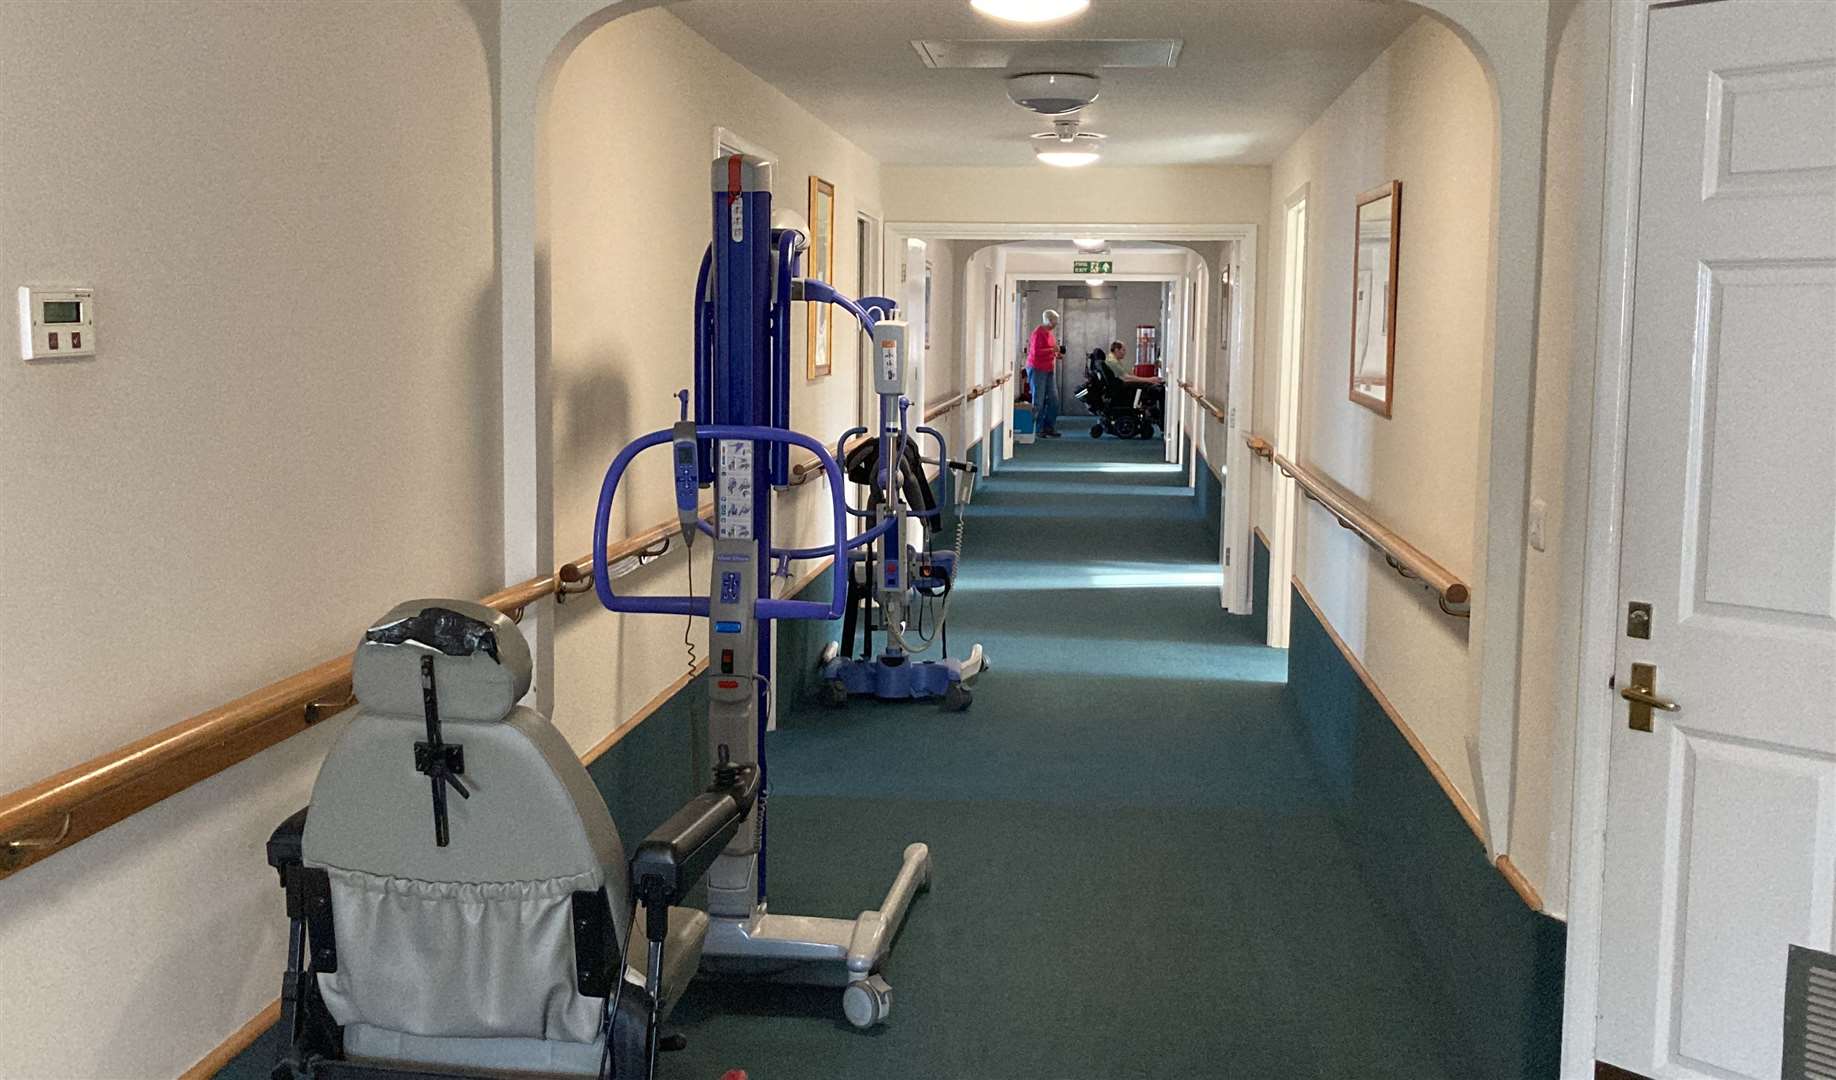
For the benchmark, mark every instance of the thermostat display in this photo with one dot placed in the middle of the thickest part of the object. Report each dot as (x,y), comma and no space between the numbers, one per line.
(56,323)
(63,311)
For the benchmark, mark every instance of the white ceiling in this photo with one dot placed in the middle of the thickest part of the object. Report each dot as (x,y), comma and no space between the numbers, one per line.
(1251,76)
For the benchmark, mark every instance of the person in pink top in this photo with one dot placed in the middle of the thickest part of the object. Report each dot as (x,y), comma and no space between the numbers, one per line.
(1041,359)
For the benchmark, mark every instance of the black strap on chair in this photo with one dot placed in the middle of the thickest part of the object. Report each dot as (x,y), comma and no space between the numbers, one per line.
(442,762)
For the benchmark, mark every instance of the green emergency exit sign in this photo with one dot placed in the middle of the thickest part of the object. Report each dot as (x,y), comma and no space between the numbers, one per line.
(1084,266)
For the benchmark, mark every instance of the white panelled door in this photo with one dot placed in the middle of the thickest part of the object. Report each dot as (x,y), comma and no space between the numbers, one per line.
(1721,829)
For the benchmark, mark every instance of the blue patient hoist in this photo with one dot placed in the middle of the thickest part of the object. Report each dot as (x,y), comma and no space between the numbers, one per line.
(888,577)
(739,441)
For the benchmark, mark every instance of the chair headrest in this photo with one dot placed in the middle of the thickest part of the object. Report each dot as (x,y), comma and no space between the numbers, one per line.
(482,666)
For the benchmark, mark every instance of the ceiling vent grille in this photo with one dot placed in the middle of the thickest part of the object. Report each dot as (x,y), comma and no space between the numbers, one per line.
(1810,1015)
(1050,55)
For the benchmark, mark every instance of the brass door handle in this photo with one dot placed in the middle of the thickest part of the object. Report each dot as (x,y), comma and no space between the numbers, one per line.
(1646,697)
(1643,696)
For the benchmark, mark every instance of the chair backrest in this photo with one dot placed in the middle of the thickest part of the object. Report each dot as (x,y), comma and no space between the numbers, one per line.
(474,939)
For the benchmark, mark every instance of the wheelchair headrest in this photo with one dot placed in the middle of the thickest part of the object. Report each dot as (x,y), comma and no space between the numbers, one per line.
(482,666)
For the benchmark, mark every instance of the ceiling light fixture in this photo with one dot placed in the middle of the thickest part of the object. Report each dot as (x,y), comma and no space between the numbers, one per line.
(1067,147)
(1032,12)
(1094,282)
(1068,159)
(1090,245)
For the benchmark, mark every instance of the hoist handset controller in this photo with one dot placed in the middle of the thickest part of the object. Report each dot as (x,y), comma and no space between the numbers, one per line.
(688,498)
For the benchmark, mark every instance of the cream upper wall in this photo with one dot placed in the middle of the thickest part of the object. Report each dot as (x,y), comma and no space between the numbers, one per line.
(943,370)
(1422,114)
(1558,475)
(1228,194)
(291,426)
(627,144)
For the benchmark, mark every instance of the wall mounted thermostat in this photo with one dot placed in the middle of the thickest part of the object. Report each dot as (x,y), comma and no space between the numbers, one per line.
(56,323)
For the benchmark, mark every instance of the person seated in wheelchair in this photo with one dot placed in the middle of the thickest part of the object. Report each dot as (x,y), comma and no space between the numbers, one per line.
(1117,362)
(1153,397)
(1113,398)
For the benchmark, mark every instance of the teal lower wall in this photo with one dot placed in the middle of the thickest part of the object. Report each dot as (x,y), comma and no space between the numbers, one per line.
(1495,964)
(658,765)
(1210,492)
(800,644)
(1259,587)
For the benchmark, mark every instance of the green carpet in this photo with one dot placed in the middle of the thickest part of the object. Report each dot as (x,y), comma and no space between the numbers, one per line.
(1137,872)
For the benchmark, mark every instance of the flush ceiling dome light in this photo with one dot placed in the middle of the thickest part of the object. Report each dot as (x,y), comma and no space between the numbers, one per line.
(1094,282)
(1092,246)
(1067,147)
(1030,11)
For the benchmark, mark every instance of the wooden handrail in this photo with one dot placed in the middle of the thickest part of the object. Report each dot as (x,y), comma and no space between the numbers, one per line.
(1260,447)
(1210,406)
(1405,558)
(943,407)
(42,819)
(809,468)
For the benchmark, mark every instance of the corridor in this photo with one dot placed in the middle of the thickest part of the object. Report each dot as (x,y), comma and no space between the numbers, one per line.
(1136,873)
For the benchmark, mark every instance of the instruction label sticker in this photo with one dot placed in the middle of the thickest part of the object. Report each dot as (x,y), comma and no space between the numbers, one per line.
(735,517)
(889,360)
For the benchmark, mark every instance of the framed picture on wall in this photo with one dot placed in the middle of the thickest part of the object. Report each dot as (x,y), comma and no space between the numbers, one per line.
(820,342)
(1374,266)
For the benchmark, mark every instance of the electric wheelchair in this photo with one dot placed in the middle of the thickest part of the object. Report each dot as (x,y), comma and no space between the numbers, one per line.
(1122,410)
(460,901)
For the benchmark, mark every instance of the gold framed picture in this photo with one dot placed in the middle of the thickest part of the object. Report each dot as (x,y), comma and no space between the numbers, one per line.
(820,340)
(1374,272)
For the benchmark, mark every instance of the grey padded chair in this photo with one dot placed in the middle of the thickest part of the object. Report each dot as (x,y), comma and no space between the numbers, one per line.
(491,954)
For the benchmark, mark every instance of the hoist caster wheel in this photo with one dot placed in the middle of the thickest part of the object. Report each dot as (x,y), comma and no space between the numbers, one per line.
(957,698)
(1096,431)
(833,694)
(867,1001)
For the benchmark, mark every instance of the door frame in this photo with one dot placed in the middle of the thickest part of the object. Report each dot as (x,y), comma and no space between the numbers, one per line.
(1238,461)
(1012,279)
(1599,616)
(874,261)
(1289,358)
